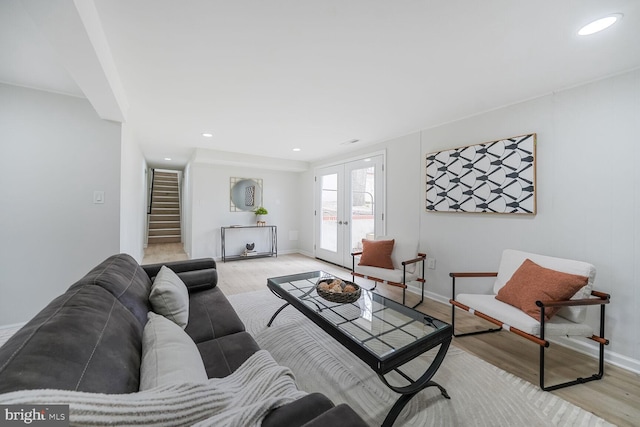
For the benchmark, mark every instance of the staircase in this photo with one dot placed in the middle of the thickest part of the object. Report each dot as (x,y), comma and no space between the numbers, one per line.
(164,221)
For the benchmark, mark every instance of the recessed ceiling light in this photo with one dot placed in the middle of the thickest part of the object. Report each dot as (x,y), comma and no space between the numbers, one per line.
(167,158)
(296,149)
(351,141)
(207,135)
(599,24)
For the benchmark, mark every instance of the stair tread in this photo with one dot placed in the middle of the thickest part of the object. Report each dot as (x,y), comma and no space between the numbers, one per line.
(165,224)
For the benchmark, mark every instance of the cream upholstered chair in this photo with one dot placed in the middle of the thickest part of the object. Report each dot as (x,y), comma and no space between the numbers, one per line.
(407,265)
(537,284)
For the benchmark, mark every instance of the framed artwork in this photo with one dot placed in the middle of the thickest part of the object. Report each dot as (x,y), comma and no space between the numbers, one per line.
(245,194)
(493,177)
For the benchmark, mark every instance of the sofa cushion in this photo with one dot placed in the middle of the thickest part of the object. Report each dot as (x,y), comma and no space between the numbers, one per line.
(123,277)
(211,316)
(385,274)
(512,259)
(169,356)
(169,297)
(377,253)
(489,305)
(84,340)
(197,274)
(531,283)
(222,356)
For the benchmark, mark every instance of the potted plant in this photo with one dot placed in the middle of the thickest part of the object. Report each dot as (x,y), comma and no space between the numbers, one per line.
(260,213)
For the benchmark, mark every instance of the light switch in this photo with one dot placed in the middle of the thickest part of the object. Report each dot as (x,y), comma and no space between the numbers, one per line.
(98,197)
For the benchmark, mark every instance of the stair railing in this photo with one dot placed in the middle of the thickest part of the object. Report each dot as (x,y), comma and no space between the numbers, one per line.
(150,198)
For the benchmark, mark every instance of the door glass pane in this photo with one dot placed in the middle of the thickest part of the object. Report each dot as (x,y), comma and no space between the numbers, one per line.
(329,212)
(362,206)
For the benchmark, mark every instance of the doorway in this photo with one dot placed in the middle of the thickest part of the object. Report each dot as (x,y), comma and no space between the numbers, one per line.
(349,207)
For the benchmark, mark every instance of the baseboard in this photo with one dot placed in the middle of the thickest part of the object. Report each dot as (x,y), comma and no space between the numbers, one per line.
(592,349)
(416,288)
(285,252)
(288,252)
(305,253)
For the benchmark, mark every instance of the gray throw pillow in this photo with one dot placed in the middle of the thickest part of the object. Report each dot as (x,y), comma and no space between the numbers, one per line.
(169,355)
(169,297)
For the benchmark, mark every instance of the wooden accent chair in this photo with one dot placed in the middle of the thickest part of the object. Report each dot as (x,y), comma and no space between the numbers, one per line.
(525,274)
(404,260)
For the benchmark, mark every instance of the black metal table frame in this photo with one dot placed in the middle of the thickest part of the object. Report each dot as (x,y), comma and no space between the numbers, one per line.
(273,236)
(381,366)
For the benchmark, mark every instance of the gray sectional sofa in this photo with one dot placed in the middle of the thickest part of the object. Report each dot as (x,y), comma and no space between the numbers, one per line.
(90,338)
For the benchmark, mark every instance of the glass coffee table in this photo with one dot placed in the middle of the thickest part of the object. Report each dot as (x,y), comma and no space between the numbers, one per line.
(382,333)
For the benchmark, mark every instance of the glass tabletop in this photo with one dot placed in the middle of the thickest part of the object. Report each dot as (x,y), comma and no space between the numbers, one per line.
(382,326)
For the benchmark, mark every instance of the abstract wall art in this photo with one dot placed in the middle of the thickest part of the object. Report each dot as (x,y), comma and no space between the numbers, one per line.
(246,194)
(250,195)
(493,177)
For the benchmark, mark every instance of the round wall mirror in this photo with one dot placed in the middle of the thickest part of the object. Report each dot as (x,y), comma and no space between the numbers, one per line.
(246,194)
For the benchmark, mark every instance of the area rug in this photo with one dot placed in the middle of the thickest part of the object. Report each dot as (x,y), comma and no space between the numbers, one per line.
(481,394)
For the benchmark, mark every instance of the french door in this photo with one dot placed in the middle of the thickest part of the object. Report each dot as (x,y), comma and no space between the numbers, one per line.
(349,207)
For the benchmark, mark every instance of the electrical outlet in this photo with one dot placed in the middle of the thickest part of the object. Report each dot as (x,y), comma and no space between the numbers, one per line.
(431,263)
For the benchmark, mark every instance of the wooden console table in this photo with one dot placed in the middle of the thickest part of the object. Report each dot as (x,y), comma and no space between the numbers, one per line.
(273,237)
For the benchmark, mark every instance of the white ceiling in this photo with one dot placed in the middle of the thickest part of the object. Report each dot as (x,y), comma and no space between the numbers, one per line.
(267,76)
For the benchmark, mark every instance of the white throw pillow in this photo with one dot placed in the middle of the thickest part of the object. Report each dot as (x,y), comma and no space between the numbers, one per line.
(169,297)
(169,355)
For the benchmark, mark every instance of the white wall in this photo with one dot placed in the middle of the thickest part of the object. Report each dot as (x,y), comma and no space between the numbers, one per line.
(588,198)
(306,206)
(209,193)
(588,194)
(187,217)
(133,200)
(403,183)
(403,200)
(55,153)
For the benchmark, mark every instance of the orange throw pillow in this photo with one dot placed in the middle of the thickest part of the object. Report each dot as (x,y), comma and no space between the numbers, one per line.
(531,283)
(377,253)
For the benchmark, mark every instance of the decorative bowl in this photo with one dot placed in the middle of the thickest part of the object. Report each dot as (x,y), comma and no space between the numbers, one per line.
(334,295)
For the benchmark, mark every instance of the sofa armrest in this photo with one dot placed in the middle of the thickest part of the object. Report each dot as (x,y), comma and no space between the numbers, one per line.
(602,298)
(341,415)
(180,266)
(199,280)
(462,275)
(421,257)
(197,274)
(476,274)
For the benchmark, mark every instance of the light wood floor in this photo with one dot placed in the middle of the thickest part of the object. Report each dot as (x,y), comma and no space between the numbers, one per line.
(616,397)
(164,252)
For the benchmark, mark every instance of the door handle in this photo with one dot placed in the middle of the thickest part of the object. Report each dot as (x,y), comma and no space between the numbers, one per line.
(340,222)
(346,223)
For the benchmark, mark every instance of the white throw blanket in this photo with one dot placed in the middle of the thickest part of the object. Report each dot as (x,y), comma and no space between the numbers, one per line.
(242,399)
